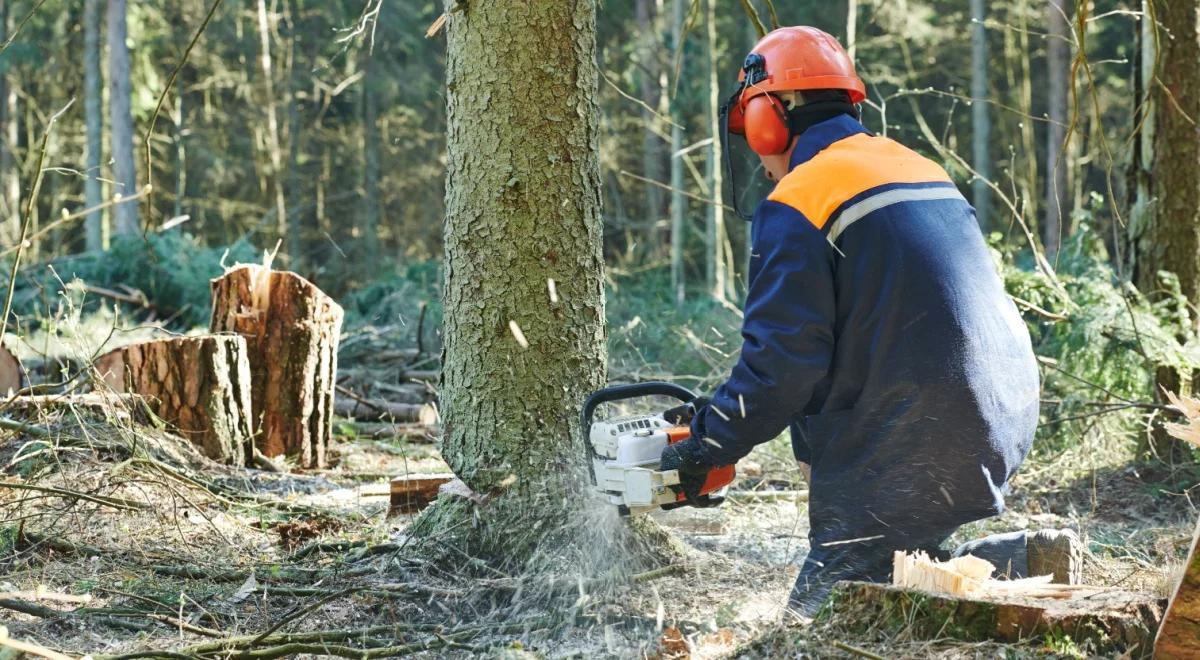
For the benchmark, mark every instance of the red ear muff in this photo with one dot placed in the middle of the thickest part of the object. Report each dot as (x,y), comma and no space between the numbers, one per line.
(765,125)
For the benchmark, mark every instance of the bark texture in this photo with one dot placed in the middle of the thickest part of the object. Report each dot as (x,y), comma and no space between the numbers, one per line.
(125,216)
(11,377)
(1058,52)
(1170,239)
(981,121)
(1111,622)
(291,329)
(92,103)
(199,385)
(522,208)
(1179,636)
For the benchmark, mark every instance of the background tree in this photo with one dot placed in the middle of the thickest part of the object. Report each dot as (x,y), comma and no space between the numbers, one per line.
(125,216)
(1058,49)
(981,122)
(92,102)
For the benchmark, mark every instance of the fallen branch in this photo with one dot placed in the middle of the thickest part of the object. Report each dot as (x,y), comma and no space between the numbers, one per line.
(114,502)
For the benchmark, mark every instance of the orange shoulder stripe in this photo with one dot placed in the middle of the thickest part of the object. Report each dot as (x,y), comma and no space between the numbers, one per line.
(848,167)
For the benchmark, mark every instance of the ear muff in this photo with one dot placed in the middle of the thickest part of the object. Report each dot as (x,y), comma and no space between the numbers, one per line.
(766,126)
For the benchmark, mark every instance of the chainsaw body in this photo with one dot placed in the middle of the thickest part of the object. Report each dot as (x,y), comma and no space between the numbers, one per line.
(624,453)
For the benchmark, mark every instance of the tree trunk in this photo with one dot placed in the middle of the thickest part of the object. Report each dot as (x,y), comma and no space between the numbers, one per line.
(715,265)
(1165,231)
(852,28)
(649,67)
(678,202)
(274,152)
(198,385)
(1179,636)
(1109,622)
(125,216)
(291,330)
(92,103)
(12,378)
(370,217)
(523,208)
(1058,54)
(981,122)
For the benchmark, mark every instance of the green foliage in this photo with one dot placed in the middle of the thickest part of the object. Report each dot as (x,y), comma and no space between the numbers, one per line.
(172,269)
(1105,354)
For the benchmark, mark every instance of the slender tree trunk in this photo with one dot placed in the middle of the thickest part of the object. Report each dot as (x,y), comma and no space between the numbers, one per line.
(852,28)
(648,61)
(9,171)
(981,122)
(522,208)
(180,148)
(92,104)
(370,214)
(715,272)
(1057,60)
(1019,48)
(125,216)
(274,151)
(678,202)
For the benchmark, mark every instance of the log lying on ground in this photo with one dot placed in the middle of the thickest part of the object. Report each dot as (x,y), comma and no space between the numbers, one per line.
(291,329)
(412,492)
(1109,621)
(11,377)
(122,407)
(198,385)
(375,410)
(1180,633)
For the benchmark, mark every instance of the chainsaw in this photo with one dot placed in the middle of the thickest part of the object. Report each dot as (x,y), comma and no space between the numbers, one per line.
(624,453)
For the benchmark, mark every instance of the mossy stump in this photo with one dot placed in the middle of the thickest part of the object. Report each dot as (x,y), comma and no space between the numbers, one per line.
(1106,622)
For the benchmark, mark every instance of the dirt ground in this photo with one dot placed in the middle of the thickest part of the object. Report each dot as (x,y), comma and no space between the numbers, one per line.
(117,541)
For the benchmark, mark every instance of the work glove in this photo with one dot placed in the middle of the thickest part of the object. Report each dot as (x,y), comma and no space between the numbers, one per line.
(682,415)
(681,456)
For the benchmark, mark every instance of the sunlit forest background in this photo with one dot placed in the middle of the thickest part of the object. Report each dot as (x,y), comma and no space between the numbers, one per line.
(316,131)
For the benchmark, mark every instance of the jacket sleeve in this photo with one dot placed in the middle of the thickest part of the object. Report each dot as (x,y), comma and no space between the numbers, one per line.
(787,333)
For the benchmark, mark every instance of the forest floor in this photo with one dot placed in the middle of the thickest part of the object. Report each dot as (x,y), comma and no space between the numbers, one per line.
(119,539)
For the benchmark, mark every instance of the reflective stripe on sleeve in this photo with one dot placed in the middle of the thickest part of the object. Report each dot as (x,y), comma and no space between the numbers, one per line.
(856,212)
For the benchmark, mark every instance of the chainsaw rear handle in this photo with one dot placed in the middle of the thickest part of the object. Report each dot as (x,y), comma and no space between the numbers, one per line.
(632,391)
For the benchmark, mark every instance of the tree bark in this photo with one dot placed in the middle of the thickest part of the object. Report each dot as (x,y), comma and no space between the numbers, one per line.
(291,330)
(125,216)
(715,263)
(1165,231)
(1179,636)
(274,152)
(649,68)
(11,376)
(522,208)
(1057,60)
(198,385)
(981,121)
(678,203)
(1111,622)
(370,217)
(92,103)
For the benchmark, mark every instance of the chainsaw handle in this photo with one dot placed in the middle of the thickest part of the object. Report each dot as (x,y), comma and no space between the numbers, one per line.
(632,391)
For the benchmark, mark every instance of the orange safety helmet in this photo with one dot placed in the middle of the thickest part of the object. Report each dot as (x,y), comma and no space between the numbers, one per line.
(789,59)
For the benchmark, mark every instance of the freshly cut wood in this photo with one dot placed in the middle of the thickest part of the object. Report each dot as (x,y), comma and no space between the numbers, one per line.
(11,377)
(1179,636)
(1110,621)
(412,492)
(374,410)
(291,329)
(198,385)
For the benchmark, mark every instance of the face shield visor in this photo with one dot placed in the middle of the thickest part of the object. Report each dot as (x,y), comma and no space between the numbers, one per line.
(746,182)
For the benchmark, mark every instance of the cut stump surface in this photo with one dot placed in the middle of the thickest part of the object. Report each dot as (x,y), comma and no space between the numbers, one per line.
(1109,621)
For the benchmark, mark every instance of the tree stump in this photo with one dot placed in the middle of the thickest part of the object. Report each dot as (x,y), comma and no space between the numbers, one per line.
(1106,622)
(291,329)
(1179,636)
(198,385)
(11,376)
